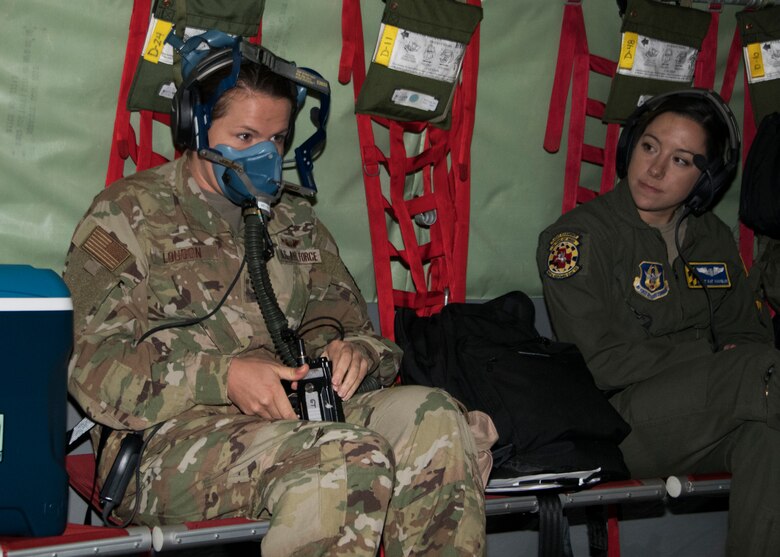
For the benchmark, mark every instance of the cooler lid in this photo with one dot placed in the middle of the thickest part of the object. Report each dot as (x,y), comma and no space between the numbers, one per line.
(26,288)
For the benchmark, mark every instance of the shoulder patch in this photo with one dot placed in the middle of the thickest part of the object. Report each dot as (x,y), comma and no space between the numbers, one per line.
(651,282)
(105,249)
(563,259)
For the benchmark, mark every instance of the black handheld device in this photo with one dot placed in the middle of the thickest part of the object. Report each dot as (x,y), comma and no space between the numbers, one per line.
(314,399)
(317,400)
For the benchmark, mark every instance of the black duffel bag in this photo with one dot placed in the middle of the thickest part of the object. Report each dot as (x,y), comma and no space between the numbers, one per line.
(548,412)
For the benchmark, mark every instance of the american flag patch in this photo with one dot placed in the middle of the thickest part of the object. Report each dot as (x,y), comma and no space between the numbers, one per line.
(105,249)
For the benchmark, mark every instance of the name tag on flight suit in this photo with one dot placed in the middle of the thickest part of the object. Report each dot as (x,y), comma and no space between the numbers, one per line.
(713,275)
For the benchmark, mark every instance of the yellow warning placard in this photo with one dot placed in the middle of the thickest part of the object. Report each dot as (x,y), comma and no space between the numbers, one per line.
(628,50)
(384,48)
(155,39)
(755,60)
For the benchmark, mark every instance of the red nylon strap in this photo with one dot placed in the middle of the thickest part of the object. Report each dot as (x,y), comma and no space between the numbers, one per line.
(704,73)
(573,68)
(460,174)
(746,235)
(572,41)
(613,531)
(123,144)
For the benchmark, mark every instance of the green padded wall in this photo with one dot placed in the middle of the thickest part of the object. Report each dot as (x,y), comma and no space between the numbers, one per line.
(59,77)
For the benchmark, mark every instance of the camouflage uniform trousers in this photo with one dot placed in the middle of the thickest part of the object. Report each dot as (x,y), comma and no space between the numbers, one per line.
(403,469)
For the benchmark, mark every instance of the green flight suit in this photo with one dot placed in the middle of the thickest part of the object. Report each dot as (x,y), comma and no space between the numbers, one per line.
(767,267)
(152,249)
(643,326)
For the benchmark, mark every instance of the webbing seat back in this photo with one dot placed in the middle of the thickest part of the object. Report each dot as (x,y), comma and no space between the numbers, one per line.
(573,68)
(126,144)
(746,235)
(431,224)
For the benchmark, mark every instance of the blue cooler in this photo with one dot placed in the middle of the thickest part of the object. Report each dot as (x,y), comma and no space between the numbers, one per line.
(36,338)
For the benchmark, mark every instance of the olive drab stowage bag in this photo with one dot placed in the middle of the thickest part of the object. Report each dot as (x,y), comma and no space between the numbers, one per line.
(417,61)
(760,35)
(759,197)
(158,72)
(539,393)
(659,46)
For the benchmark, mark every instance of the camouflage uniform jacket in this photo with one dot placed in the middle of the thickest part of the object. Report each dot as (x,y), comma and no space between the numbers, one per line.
(152,251)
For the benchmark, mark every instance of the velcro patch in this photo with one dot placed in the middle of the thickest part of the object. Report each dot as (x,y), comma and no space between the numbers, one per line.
(299,257)
(191,253)
(713,275)
(651,282)
(105,249)
(563,259)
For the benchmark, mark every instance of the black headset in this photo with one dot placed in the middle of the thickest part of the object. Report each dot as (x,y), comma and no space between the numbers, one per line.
(191,113)
(716,174)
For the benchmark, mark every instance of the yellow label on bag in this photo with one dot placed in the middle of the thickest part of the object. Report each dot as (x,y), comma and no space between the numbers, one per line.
(155,39)
(755,60)
(384,48)
(628,50)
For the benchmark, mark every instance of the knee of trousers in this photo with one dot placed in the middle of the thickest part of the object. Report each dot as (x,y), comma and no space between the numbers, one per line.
(361,447)
(427,415)
(418,400)
(341,458)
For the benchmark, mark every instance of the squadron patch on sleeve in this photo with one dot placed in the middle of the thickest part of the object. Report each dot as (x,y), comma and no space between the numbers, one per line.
(105,249)
(651,282)
(713,275)
(563,260)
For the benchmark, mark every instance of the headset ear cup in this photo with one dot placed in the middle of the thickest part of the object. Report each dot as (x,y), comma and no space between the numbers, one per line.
(707,188)
(627,141)
(183,118)
(188,98)
(623,151)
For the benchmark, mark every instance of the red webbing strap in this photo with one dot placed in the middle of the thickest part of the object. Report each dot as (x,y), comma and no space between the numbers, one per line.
(123,143)
(352,67)
(437,265)
(704,73)
(573,67)
(460,173)
(613,531)
(576,137)
(572,41)
(582,107)
(397,186)
(746,235)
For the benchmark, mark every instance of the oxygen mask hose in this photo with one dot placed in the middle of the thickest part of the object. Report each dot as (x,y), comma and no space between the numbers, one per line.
(258,251)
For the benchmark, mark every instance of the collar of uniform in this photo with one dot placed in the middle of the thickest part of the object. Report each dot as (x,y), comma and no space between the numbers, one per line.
(623,205)
(192,199)
(624,208)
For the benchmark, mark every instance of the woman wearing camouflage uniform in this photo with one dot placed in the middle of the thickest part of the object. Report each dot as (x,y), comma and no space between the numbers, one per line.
(163,246)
